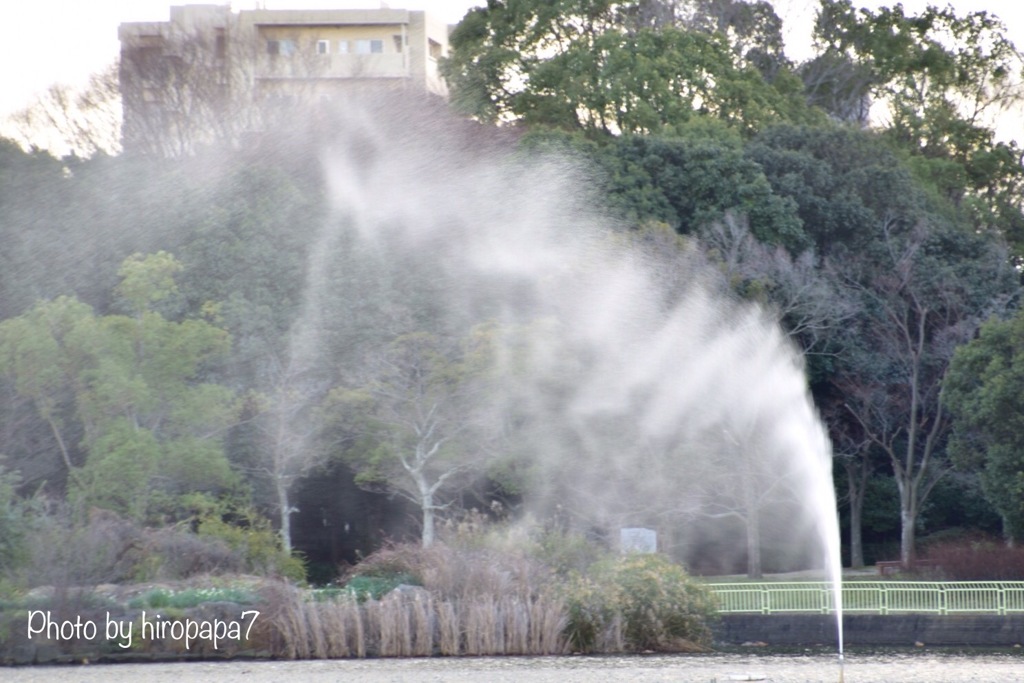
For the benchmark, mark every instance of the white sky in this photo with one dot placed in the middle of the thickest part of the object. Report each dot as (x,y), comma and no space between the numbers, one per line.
(51,41)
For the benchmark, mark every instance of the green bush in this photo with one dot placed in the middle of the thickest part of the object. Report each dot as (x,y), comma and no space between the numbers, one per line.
(567,553)
(192,597)
(250,534)
(376,587)
(590,618)
(660,605)
(637,603)
(386,569)
(14,525)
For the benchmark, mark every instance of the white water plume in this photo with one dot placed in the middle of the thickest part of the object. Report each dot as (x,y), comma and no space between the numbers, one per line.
(637,391)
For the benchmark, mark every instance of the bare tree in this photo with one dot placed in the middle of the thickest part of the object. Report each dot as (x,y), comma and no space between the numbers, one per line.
(857,455)
(177,87)
(73,120)
(749,472)
(288,439)
(801,290)
(420,424)
(840,86)
(208,78)
(917,308)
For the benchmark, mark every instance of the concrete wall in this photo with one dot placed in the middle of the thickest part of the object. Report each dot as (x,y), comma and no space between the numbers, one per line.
(898,630)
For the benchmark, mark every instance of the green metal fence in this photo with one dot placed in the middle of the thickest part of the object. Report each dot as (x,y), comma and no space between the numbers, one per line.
(872,597)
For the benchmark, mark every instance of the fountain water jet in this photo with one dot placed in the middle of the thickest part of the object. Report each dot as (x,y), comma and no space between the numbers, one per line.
(646,393)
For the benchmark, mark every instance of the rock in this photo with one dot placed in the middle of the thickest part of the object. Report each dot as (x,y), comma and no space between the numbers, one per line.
(405,591)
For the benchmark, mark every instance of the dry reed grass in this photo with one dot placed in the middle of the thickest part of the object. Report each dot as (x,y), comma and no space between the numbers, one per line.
(412,623)
(416,628)
(449,630)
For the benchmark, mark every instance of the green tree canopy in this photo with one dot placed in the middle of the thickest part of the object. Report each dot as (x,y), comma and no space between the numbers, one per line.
(984,390)
(916,280)
(130,390)
(942,79)
(608,67)
(692,181)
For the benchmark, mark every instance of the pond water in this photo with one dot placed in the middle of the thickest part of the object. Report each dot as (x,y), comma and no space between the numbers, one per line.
(896,667)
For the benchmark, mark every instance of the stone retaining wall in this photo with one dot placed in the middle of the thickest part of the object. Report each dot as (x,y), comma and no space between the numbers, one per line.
(896,630)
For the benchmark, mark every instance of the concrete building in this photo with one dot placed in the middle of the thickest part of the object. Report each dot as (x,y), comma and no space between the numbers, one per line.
(210,72)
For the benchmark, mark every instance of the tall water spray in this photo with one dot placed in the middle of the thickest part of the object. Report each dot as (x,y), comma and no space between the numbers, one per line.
(636,389)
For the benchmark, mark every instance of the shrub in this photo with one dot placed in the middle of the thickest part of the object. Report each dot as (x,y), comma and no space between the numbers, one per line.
(591,621)
(14,524)
(192,597)
(403,559)
(976,558)
(568,553)
(458,573)
(177,553)
(253,538)
(637,603)
(67,548)
(70,549)
(661,607)
(376,587)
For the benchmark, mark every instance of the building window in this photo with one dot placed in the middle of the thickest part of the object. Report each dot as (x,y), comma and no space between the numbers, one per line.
(367,47)
(342,47)
(323,47)
(398,43)
(285,48)
(221,44)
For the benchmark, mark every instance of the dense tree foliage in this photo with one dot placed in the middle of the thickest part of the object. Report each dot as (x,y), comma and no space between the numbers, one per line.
(130,387)
(918,281)
(983,391)
(609,67)
(942,79)
(689,182)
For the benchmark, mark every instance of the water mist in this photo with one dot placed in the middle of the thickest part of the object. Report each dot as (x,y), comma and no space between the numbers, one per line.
(638,390)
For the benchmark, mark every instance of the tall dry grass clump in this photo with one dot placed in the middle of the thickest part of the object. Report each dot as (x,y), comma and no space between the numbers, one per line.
(449,630)
(467,602)
(302,627)
(488,600)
